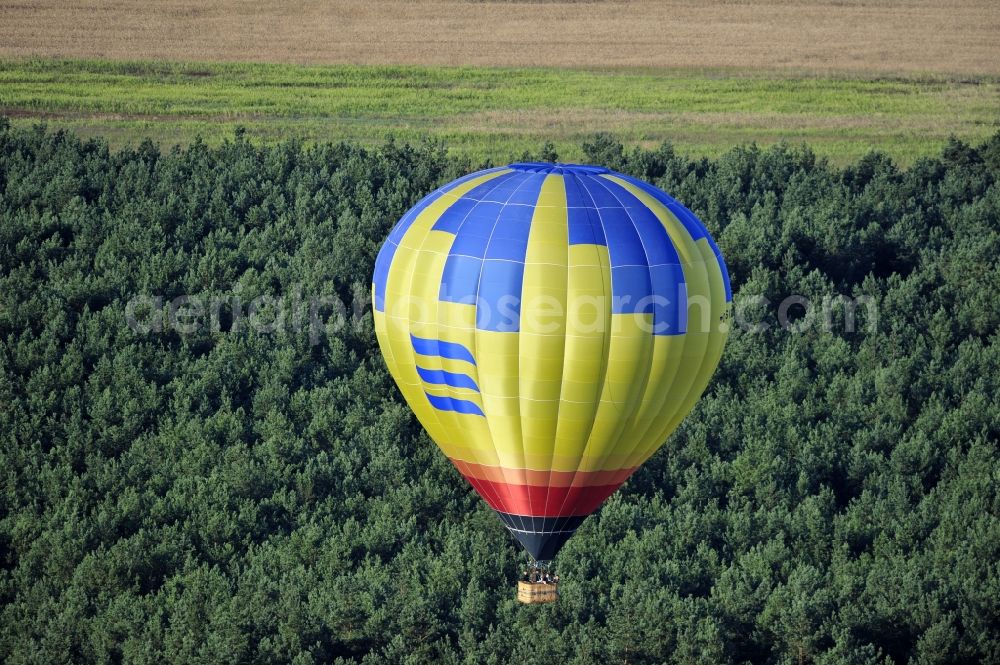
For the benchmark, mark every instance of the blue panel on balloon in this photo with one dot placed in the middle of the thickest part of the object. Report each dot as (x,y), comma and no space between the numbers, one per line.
(585,227)
(452,219)
(498,307)
(475,233)
(382,263)
(460,279)
(625,247)
(631,290)
(691,223)
(510,237)
(669,299)
(599,191)
(528,190)
(584,220)
(694,227)
(656,242)
(388,251)
(509,186)
(485,191)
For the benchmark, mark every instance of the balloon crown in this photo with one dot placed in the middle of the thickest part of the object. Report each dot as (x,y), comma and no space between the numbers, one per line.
(557,167)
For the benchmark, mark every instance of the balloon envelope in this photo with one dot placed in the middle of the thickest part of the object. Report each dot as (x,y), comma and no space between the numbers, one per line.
(550,325)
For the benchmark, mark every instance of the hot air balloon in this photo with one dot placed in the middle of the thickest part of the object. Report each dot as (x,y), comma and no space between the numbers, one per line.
(550,325)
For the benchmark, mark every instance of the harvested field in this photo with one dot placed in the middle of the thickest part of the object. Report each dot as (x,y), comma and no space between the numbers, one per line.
(960,37)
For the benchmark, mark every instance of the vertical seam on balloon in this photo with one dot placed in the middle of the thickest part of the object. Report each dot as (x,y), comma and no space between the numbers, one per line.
(606,345)
(686,338)
(621,426)
(562,367)
(423,241)
(645,385)
(666,430)
(409,327)
(694,389)
(501,501)
(475,342)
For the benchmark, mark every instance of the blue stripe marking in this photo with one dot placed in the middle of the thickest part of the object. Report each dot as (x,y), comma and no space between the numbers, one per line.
(442,377)
(388,251)
(453,404)
(433,347)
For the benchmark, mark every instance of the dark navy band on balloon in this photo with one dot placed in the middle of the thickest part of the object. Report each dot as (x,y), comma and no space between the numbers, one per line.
(464,406)
(434,347)
(541,524)
(541,537)
(444,378)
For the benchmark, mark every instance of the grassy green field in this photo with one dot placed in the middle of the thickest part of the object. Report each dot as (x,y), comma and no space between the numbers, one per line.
(499,113)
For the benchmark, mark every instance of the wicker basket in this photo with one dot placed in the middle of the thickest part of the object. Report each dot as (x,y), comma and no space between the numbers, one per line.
(532,593)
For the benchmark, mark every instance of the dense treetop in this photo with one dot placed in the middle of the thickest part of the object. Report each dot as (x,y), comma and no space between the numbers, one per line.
(235,494)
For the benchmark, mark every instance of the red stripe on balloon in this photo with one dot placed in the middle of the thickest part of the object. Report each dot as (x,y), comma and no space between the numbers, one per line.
(537,501)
